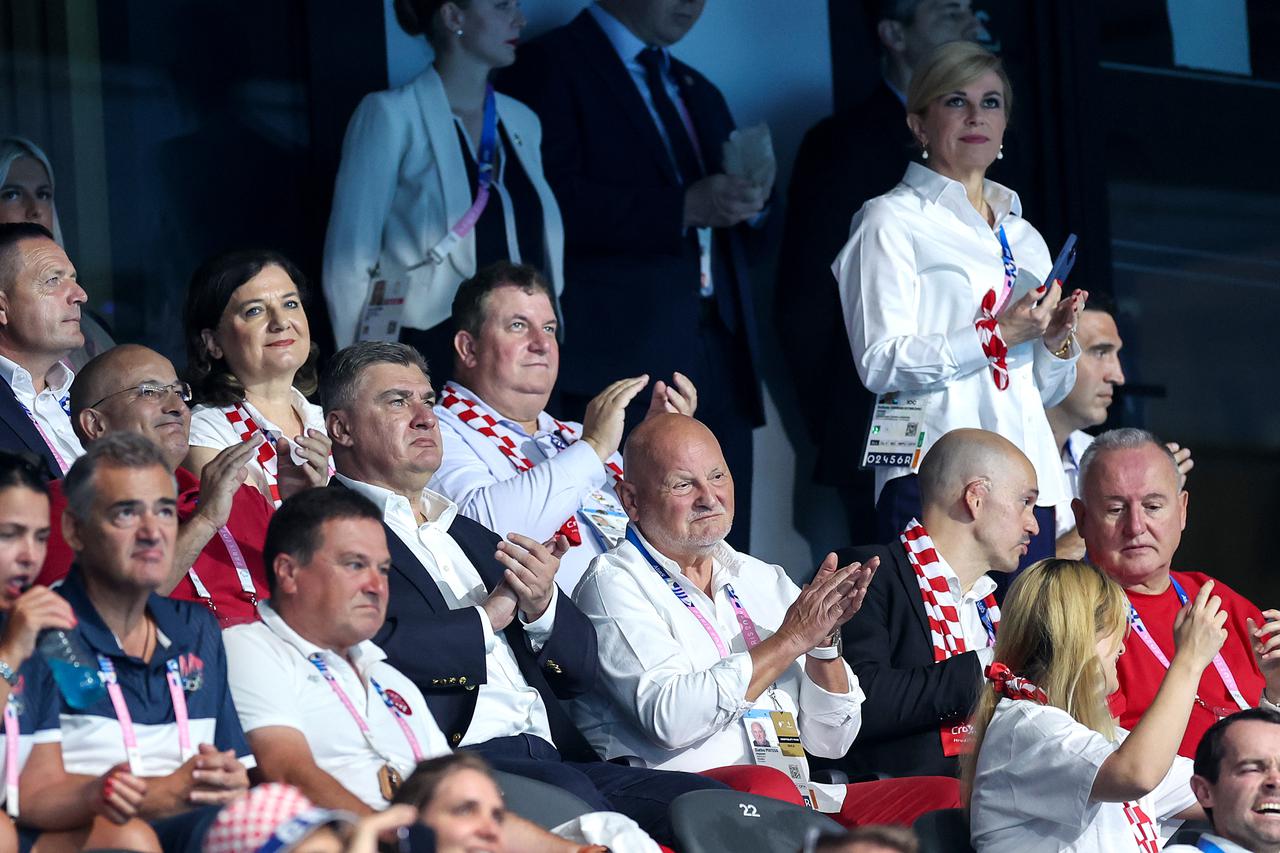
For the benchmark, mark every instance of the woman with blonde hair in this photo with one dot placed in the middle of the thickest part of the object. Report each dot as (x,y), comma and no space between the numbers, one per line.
(1049,769)
(927,281)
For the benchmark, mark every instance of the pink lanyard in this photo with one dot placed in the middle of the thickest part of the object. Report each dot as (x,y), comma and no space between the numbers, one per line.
(242,573)
(1224,672)
(11,733)
(63,465)
(174,677)
(318,662)
(749,633)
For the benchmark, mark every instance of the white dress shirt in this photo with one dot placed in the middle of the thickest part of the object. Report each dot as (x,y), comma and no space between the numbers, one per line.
(274,683)
(667,696)
(1035,772)
(490,489)
(50,409)
(975,633)
(1077,443)
(505,705)
(210,428)
(911,280)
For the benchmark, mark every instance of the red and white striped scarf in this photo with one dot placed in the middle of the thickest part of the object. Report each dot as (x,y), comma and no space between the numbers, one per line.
(246,427)
(1011,686)
(469,411)
(993,345)
(939,602)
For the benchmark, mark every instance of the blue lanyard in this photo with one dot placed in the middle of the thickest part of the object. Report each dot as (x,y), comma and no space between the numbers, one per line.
(488,141)
(1207,845)
(986,621)
(1010,268)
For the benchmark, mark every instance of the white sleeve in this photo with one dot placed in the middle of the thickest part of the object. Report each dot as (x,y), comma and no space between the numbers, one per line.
(535,503)
(1040,764)
(880,291)
(829,722)
(363,191)
(1174,795)
(261,680)
(647,671)
(1055,377)
(206,429)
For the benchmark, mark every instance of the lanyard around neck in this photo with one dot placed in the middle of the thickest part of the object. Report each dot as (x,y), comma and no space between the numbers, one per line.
(173,675)
(318,662)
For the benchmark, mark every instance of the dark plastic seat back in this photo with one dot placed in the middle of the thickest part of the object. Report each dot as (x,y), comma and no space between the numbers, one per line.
(539,802)
(730,822)
(943,831)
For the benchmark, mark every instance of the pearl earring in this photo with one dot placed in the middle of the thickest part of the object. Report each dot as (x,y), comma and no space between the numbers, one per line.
(458,32)
(1000,153)
(924,154)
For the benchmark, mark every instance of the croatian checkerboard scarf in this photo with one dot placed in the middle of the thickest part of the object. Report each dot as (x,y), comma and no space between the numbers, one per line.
(939,603)
(470,413)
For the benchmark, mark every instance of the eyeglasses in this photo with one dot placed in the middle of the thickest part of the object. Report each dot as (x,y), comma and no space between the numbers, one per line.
(154,391)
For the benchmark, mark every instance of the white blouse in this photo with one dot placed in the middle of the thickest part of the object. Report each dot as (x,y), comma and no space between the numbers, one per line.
(911,278)
(668,697)
(210,428)
(1034,776)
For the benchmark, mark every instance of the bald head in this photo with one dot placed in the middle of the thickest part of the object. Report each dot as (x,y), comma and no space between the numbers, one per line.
(678,489)
(105,399)
(978,492)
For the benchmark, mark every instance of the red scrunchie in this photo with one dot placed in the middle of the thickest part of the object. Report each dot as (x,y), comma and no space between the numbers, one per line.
(1006,683)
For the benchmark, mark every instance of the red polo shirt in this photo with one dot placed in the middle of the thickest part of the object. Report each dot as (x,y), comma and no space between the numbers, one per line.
(1141,673)
(250,514)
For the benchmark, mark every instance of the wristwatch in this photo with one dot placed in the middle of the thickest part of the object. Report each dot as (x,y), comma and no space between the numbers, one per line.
(7,673)
(830,651)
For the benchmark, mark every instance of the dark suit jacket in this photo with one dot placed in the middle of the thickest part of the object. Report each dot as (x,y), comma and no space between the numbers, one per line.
(909,696)
(19,435)
(442,650)
(844,160)
(631,300)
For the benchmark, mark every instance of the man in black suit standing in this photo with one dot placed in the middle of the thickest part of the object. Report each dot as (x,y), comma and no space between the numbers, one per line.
(40,303)
(656,277)
(844,160)
(475,621)
(925,633)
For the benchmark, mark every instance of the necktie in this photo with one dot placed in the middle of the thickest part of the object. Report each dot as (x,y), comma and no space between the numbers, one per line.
(687,164)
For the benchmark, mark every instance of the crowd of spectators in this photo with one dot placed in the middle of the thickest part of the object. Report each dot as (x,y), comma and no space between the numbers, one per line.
(276,602)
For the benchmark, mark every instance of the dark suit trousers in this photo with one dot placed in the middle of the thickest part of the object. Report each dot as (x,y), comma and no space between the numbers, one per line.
(641,794)
(720,366)
(900,502)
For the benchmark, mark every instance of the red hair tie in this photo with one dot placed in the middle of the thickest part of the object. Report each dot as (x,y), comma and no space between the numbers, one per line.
(1012,686)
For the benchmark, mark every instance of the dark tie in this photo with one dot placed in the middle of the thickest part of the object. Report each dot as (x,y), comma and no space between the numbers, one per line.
(687,164)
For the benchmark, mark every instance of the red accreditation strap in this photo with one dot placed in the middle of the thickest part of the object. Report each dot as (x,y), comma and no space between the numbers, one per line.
(469,412)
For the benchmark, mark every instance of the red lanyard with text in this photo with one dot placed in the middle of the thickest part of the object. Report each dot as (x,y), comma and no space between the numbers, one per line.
(173,675)
(749,633)
(1224,672)
(318,663)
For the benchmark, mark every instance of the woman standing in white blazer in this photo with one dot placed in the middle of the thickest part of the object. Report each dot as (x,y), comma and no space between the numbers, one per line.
(411,201)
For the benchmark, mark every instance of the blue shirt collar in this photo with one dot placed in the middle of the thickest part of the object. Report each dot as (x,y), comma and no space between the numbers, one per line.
(625,43)
(99,637)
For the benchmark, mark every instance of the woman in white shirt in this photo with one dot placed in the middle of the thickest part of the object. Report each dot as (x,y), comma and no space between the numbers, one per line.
(925,281)
(251,363)
(1049,770)
(408,197)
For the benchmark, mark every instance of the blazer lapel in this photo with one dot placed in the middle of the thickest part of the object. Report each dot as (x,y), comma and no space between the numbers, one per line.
(12,413)
(907,577)
(437,120)
(702,106)
(406,563)
(599,53)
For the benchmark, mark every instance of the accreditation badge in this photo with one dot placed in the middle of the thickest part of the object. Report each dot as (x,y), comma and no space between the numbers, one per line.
(957,737)
(389,781)
(605,517)
(895,435)
(384,306)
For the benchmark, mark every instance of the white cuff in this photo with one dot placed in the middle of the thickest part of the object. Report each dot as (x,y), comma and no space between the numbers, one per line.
(487,627)
(539,630)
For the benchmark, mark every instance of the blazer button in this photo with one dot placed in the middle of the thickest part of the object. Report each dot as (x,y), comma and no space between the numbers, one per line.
(456,738)
(462,680)
(471,687)
(453,680)
(435,681)
(553,667)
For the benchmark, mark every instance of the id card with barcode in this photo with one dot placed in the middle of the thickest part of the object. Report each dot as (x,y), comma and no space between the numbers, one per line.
(895,435)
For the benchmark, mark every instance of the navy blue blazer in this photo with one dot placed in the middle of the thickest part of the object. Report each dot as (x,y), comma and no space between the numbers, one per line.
(909,696)
(631,300)
(19,435)
(442,650)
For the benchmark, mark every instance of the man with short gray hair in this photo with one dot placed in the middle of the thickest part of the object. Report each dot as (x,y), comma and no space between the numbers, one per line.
(1131,512)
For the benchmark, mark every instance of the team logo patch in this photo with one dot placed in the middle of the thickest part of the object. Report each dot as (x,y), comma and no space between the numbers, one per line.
(398,700)
(192,669)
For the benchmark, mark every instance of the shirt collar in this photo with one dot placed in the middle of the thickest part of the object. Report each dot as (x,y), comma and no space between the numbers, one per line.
(1077,442)
(625,43)
(949,193)
(981,588)
(362,655)
(439,510)
(1227,845)
(100,638)
(726,562)
(58,379)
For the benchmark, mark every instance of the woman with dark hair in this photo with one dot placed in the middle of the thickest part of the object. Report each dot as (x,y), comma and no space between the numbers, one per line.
(439,178)
(251,363)
(53,812)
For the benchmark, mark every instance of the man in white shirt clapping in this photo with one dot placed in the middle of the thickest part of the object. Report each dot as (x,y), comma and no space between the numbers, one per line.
(509,464)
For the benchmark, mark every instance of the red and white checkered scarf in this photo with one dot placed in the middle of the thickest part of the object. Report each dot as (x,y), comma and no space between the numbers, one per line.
(940,604)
